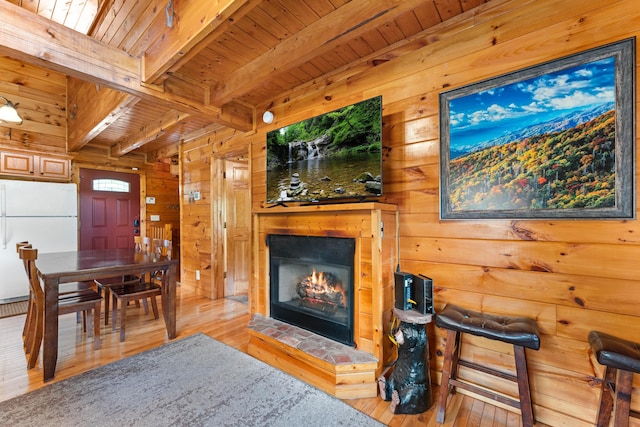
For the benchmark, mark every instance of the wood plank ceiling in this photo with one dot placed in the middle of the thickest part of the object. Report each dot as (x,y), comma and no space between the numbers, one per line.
(164,70)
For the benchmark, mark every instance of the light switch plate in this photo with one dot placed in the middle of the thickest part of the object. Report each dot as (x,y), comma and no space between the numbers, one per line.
(155,217)
(151,200)
(196,195)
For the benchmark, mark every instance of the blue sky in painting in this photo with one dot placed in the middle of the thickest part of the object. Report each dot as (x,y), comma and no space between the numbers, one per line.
(490,114)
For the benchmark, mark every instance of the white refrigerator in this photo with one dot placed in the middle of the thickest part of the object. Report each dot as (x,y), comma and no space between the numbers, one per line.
(43,213)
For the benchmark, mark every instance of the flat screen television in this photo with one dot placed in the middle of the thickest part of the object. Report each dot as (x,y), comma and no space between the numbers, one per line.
(336,155)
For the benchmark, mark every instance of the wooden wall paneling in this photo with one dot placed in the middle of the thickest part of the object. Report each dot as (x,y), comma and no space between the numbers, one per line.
(417,223)
(576,323)
(41,98)
(557,257)
(218,228)
(196,219)
(575,291)
(571,275)
(544,314)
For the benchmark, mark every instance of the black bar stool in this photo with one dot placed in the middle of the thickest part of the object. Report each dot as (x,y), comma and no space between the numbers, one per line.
(622,360)
(521,332)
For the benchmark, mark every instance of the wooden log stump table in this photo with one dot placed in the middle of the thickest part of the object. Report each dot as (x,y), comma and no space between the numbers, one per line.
(408,387)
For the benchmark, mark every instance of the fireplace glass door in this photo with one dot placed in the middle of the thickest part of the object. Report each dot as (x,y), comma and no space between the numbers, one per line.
(311,282)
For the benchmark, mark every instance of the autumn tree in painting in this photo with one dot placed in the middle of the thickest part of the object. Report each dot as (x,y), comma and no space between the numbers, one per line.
(574,168)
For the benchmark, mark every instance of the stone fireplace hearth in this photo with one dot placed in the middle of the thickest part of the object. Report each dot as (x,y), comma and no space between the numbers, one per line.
(346,369)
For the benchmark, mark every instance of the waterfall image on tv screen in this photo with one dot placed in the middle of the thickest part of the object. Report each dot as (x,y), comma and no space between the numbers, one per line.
(335,155)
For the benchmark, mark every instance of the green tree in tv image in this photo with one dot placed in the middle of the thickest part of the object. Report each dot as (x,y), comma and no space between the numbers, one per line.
(332,155)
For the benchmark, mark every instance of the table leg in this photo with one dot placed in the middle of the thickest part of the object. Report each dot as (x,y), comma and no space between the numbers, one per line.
(50,338)
(169,303)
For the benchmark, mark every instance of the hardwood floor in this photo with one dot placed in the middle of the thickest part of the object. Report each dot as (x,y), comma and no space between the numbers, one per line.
(224,320)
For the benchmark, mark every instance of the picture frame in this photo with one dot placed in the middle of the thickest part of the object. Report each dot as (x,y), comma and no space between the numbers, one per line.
(555,140)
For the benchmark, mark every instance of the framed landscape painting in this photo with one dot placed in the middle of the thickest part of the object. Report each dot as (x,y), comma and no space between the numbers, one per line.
(551,141)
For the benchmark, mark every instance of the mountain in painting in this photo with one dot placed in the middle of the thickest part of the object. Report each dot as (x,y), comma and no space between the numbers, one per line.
(558,124)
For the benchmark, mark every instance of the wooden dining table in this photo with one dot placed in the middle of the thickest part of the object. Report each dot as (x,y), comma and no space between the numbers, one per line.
(55,268)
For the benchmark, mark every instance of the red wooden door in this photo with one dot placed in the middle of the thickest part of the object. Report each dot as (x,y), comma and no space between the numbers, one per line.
(109,209)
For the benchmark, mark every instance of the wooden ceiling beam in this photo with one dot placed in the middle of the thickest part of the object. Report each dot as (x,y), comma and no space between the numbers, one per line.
(166,152)
(195,24)
(149,133)
(35,40)
(345,23)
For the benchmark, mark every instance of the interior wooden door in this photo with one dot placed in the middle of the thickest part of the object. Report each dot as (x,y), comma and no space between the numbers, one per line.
(238,227)
(109,209)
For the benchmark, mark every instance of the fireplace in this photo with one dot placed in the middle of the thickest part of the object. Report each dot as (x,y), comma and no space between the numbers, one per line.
(312,284)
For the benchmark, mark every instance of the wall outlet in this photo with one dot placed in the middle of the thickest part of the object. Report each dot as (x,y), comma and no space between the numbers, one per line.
(197,274)
(155,217)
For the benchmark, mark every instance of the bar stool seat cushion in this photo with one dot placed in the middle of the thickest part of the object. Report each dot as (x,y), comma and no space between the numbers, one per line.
(520,331)
(615,352)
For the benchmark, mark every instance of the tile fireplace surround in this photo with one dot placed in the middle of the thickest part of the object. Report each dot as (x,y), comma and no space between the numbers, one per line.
(345,372)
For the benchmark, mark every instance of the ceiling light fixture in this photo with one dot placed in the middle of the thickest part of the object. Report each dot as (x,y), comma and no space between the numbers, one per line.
(9,114)
(267,117)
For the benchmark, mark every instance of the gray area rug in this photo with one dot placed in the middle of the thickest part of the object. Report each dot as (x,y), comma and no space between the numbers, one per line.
(194,381)
(13,308)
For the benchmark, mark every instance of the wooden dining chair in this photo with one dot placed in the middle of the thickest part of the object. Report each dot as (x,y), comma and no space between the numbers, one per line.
(89,302)
(141,244)
(133,289)
(28,318)
(161,248)
(162,232)
(65,290)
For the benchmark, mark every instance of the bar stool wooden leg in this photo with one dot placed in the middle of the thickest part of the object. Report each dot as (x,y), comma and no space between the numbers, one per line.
(622,401)
(524,388)
(449,371)
(606,399)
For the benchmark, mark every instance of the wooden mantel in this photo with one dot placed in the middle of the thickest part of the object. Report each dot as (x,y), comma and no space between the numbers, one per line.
(374,228)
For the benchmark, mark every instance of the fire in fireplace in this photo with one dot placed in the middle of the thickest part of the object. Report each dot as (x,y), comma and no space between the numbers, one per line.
(311,282)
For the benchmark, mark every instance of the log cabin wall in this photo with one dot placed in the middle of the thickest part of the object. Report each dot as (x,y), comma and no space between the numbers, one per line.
(42,96)
(571,275)
(196,217)
(202,232)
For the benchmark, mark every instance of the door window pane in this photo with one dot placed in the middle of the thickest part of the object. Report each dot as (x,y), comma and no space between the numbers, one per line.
(110,185)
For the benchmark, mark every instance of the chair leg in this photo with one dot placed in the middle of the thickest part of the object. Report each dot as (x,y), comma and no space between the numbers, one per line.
(96,325)
(154,306)
(29,326)
(449,371)
(106,296)
(122,318)
(27,319)
(524,389)
(36,338)
(82,317)
(622,403)
(606,399)
(114,311)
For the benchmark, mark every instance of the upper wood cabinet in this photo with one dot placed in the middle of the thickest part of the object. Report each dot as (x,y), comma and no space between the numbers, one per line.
(37,166)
